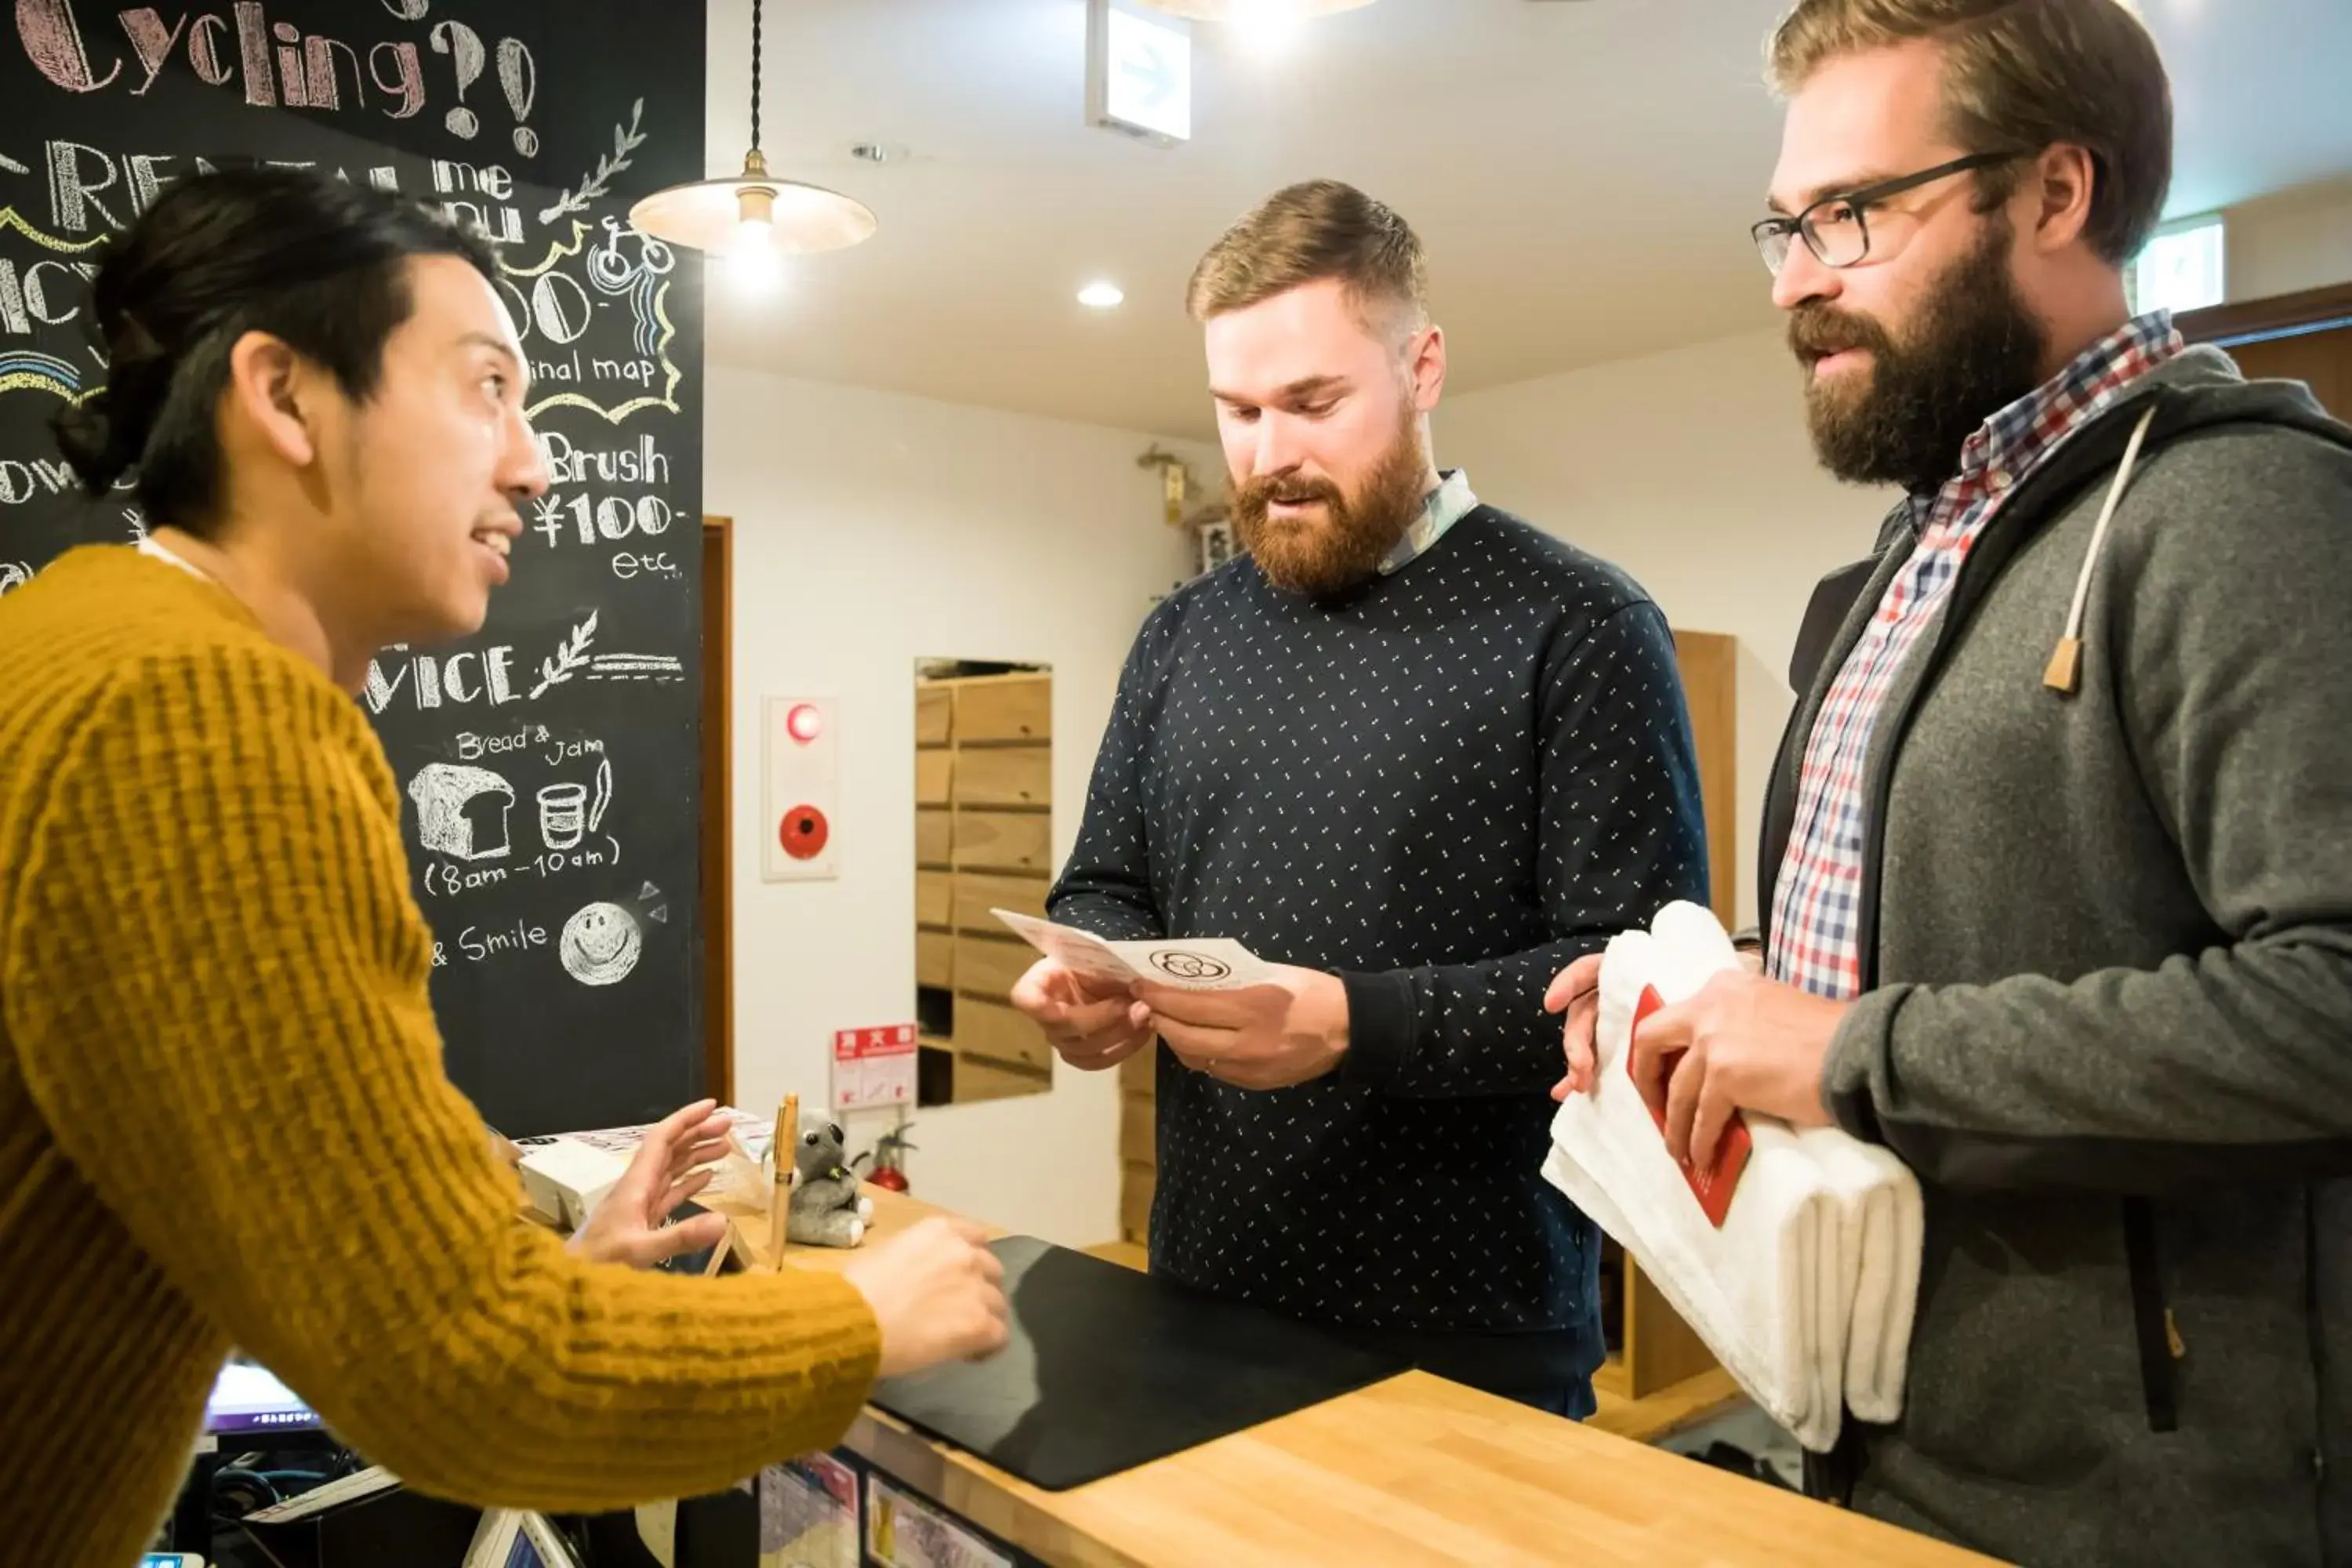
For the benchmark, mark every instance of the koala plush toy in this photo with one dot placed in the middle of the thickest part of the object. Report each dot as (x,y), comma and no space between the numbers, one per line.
(826,1208)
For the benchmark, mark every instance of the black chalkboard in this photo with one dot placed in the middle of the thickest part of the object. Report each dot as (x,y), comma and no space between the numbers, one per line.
(548,764)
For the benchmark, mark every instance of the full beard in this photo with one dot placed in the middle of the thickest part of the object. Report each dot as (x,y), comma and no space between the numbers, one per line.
(1326,556)
(1975,349)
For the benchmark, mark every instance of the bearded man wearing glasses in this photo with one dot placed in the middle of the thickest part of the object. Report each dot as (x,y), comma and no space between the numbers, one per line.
(2057,858)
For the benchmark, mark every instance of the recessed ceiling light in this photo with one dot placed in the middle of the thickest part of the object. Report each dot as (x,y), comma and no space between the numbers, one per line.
(1101,297)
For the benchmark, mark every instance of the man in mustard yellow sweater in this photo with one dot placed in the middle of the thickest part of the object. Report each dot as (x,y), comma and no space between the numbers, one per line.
(215,1036)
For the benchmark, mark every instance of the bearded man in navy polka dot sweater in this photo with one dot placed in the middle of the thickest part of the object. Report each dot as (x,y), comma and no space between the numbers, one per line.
(1421,754)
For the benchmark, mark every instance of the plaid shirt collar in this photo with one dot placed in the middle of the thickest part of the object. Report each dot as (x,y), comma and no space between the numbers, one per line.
(1816,903)
(2015,441)
(1444,507)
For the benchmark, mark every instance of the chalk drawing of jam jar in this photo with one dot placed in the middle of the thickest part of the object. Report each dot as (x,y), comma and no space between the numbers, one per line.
(462,811)
(562,814)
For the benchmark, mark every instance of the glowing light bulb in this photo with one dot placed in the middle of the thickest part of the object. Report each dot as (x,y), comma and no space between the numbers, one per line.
(1266,26)
(751,260)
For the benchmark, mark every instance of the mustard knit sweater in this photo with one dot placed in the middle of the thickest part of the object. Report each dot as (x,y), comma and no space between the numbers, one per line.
(223,1120)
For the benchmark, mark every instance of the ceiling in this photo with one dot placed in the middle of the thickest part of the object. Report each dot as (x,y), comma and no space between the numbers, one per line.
(1582,173)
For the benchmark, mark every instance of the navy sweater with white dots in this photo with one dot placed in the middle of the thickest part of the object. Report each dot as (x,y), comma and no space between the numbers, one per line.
(1443,788)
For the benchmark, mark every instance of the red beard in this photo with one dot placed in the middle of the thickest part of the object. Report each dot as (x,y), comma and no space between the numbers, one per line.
(1323,556)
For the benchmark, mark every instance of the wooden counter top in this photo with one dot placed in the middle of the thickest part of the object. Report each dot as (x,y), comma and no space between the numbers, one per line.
(1415,1469)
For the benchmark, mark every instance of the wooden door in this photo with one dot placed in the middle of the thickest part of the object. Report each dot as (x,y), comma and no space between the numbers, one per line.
(2304,337)
(1709,664)
(2321,360)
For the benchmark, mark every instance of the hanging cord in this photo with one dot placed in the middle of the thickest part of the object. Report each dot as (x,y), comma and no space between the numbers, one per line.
(2065,670)
(755,75)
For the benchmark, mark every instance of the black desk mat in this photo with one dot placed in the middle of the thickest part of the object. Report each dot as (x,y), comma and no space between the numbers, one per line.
(1109,1368)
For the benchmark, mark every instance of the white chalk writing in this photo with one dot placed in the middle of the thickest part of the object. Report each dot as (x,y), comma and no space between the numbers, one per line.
(627,564)
(642,464)
(449,878)
(22,483)
(474,944)
(484,676)
(276,63)
(610,517)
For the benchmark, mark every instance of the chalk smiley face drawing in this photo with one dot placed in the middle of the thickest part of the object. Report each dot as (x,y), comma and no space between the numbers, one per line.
(601,944)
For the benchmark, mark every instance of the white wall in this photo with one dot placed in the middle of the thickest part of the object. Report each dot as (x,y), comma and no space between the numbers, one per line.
(1692,471)
(872,530)
(2296,240)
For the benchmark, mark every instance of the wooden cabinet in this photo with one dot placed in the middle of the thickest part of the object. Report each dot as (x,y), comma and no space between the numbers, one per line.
(984,841)
(990,965)
(977,893)
(995,1032)
(934,836)
(1138,1131)
(1005,775)
(1003,841)
(1655,1354)
(934,714)
(1135,1187)
(1004,708)
(935,959)
(977,1078)
(934,776)
(1139,1143)
(1709,666)
(934,900)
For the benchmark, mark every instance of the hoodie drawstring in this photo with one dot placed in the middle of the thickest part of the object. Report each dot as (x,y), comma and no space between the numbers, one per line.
(2065,669)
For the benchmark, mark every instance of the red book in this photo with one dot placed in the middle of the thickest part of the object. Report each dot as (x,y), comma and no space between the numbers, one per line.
(1712,1186)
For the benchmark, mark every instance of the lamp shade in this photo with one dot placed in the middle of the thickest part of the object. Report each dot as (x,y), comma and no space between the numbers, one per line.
(717,215)
(1243,10)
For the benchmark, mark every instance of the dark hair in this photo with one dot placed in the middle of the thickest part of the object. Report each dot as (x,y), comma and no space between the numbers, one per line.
(309,258)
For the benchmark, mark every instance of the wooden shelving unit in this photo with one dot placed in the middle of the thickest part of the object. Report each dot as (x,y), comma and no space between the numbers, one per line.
(1139,1159)
(983,841)
(1660,1375)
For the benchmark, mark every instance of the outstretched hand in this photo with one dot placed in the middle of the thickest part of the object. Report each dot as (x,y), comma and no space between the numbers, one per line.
(632,1223)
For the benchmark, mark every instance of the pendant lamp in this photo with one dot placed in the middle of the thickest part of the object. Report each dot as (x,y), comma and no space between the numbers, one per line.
(1251,10)
(753,213)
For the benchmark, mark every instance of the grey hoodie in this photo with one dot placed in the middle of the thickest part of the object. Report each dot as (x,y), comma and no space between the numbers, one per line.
(2107,940)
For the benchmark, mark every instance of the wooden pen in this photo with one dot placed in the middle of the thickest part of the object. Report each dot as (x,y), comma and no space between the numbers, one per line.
(785,1149)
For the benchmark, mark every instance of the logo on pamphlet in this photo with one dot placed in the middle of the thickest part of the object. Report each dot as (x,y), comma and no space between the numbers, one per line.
(1196,967)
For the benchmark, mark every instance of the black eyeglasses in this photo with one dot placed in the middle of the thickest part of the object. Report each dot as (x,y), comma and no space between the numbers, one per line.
(1834,228)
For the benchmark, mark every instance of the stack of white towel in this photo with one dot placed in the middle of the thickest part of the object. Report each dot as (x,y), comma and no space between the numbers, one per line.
(1806,1292)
